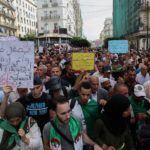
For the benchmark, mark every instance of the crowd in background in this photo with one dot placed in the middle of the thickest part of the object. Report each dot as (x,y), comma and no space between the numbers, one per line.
(105,108)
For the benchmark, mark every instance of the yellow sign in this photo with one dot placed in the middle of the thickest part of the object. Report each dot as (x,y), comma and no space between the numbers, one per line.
(83,61)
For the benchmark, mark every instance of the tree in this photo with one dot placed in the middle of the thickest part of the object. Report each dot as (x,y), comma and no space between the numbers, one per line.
(28,37)
(80,42)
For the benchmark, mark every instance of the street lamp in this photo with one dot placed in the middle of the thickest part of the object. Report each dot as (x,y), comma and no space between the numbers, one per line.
(46,29)
(147,12)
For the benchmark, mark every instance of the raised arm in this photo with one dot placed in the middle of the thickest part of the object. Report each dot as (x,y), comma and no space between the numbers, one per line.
(7,90)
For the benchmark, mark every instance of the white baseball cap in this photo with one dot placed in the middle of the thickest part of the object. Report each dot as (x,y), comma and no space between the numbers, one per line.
(139,90)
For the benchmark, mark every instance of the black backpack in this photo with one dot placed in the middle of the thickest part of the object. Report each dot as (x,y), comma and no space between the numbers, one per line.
(72,104)
(144,136)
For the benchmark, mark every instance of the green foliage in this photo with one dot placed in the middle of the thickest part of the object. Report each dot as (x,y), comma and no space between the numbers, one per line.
(28,37)
(80,42)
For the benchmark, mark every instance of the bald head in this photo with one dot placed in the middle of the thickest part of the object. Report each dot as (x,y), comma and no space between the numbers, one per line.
(94,81)
(121,89)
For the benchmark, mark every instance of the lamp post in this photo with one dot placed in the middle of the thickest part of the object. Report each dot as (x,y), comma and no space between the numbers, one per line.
(46,25)
(147,29)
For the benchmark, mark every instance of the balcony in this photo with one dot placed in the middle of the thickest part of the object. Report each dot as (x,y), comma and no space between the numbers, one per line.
(55,31)
(8,5)
(44,18)
(8,25)
(45,6)
(144,7)
(54,4)
(60,31)
(7,15)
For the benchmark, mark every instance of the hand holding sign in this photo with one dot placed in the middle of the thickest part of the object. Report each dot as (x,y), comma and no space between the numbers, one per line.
(7,89)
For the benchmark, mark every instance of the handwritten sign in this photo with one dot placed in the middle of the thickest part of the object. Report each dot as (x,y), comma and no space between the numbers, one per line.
(83,61)
(118,46)
(8,38)
(40,49)
(16,63)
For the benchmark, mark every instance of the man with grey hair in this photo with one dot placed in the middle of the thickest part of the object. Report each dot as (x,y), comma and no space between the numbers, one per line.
(143,76)
(42,70)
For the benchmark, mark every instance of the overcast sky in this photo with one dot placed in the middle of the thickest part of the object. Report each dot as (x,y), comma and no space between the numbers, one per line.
(94,13)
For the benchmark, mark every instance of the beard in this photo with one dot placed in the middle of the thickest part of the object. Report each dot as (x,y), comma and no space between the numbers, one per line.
(62,121)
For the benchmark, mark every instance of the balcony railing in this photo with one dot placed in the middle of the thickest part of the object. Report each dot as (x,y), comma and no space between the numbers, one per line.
(45,6)
(50,17)
(7,4)
(7,15)
(8,25)
(54,4)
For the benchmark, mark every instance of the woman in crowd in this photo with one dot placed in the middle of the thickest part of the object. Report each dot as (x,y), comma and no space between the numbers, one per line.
(111,129)
(18,132)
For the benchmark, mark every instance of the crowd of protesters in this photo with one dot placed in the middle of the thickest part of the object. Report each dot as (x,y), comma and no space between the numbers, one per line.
(107,108)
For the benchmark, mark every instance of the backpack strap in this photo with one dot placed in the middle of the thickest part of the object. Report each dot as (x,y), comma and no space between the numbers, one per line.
(72,104)
(64,91)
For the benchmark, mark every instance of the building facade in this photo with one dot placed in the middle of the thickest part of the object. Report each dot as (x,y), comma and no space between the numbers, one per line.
(26,17)
(7,19)
(78,18)
(58,21)
(107,31)
(131,21)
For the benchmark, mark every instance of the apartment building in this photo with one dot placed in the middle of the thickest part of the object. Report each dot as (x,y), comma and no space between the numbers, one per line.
(131,20)
(58,21)
(7,19)
(107,31)
(26,17)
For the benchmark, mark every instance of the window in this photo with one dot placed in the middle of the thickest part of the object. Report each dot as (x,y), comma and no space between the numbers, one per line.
(45,1)
(55,26)
(50,14)
(69,27)
(45,13)
(19,28)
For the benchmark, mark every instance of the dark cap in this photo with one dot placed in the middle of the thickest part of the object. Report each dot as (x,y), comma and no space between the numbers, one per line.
(37,80)
(107,68)
(53,84)
(67,62)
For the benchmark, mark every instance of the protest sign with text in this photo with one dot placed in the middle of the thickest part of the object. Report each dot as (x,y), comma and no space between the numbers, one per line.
(118,46)
(83,61)
(16,63)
